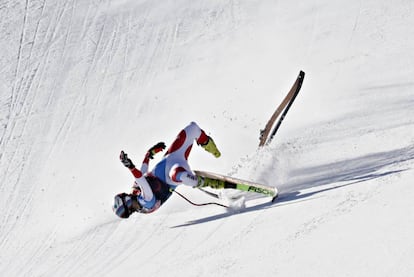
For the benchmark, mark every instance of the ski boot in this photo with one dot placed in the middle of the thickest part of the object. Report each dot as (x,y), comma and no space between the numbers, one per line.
(211,147)
(208,182)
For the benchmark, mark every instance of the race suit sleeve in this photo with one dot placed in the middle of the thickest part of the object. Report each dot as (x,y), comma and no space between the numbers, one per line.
(145,163)
(142,184)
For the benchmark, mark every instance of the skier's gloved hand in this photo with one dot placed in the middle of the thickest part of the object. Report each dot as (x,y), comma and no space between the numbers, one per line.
(125,160)
(155,149)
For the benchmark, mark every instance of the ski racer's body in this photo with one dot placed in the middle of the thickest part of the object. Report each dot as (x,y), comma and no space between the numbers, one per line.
(152,188)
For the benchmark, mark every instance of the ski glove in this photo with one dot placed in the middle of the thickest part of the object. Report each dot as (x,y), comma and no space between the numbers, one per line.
(155,149)
(125,160)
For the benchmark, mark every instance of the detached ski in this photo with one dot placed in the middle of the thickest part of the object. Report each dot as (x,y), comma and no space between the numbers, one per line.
(267,134)
(233,183)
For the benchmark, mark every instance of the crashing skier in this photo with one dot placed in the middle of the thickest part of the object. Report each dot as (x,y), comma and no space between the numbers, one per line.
(152,188)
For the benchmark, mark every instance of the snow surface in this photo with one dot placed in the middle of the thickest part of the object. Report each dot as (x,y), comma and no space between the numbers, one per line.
(83,79)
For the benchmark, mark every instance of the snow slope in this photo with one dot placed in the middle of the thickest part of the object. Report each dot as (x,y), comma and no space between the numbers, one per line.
(81,80)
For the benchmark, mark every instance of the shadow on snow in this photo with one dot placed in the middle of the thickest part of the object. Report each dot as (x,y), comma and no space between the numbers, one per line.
(350,171)
(354,170)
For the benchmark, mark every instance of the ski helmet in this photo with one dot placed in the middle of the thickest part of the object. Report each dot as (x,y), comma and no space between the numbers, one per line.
(123,205)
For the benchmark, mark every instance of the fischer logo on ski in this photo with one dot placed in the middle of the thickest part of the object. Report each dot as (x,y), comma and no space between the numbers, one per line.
(260,190)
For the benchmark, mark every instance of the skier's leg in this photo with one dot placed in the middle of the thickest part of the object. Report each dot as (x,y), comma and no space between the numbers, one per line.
(187,136)
(182,174)
(177,155)
(184,141)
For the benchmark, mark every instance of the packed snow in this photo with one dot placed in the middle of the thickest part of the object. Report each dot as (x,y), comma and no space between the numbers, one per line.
(82,80)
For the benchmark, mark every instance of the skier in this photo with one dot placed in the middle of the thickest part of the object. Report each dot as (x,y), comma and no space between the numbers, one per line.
(151,189)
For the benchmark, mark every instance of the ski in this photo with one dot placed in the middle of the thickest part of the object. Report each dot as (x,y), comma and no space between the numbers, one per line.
(242,185)
(267,134)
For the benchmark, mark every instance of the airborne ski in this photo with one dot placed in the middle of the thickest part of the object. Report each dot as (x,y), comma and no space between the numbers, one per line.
(267,134)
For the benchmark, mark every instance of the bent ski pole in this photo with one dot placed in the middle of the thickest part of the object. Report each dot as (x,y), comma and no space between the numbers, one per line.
(202,204)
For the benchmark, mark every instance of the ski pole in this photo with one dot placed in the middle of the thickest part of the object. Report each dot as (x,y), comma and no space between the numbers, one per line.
(202,204)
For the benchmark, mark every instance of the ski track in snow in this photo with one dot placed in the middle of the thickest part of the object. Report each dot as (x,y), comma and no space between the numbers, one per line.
(81,80)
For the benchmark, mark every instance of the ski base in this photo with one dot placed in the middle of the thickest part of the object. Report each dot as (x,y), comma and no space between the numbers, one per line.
(267,134)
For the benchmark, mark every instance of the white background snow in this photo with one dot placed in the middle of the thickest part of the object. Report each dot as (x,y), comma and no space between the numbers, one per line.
(81,80)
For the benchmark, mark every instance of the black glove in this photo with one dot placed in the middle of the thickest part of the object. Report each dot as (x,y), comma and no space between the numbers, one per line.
(155,149)
(125,160)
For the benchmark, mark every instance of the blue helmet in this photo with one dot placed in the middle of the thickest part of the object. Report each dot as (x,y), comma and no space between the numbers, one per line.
(123,205)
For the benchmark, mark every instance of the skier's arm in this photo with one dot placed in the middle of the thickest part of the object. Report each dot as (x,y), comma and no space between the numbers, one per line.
(141,186)
(141,183)
(150,155)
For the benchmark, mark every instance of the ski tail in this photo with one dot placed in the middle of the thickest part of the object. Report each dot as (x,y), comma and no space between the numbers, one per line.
(242,185)
(267,134)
